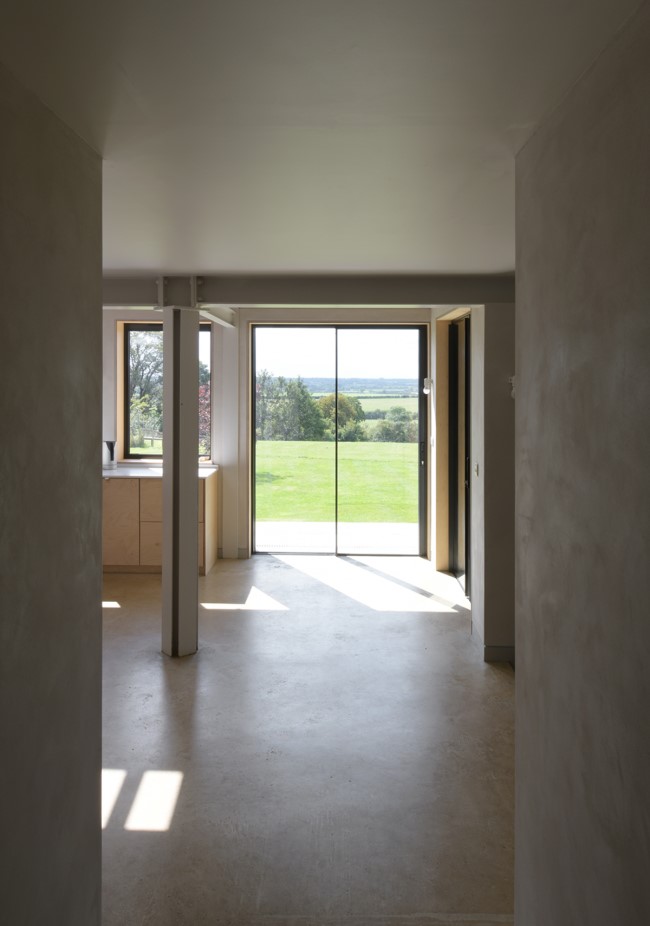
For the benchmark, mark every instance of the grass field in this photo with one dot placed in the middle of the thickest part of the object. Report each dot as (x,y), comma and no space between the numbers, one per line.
(382,403)
(295,481)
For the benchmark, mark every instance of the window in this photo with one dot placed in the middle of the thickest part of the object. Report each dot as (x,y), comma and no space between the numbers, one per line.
(143,391)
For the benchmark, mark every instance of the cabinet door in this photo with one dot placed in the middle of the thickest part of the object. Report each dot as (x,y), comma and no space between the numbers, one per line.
(151,543)
(121,524)
(151,499)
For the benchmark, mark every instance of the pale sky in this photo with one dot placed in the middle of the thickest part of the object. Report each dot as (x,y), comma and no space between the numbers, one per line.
(363,353)
(204,347)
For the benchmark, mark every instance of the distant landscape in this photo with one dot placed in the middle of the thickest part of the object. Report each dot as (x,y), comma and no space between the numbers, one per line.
(378,410)
(397,388)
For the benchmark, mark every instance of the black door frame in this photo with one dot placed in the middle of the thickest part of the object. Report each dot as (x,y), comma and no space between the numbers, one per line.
(423,417)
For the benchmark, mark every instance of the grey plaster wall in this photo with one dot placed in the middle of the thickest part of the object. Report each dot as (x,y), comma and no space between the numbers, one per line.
(582,527)
(50,542)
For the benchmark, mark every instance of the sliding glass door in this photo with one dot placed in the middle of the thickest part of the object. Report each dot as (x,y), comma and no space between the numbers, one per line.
(340,439)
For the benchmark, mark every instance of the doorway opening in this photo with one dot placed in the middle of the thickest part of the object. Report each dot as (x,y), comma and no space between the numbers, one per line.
(459,451)
(339,439)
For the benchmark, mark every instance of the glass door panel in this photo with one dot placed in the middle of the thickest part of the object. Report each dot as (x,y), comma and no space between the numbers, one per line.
(379,441)
(294,446)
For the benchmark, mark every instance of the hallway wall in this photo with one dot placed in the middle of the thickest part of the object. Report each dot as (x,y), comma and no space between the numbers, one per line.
(582,528)
(50,544)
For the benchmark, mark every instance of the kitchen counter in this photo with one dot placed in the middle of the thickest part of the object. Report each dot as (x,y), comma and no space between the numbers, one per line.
(133,515)
(147,471)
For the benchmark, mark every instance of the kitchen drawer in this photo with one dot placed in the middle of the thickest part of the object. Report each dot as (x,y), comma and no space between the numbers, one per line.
(151,500)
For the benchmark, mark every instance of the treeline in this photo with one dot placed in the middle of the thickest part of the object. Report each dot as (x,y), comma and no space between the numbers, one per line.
(285,410)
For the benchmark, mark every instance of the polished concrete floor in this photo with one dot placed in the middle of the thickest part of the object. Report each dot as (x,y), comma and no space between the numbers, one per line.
(342,753)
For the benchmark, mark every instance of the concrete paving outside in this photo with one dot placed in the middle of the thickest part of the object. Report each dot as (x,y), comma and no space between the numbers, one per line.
(383,538)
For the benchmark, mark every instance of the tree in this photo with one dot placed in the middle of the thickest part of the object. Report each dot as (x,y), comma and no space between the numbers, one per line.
(265,390)
(349,412)
(353,431)
(204,420)
(204,374)
(399,427)
(142,418)
(302,413)
(398,413)
(284,410)
(146,372)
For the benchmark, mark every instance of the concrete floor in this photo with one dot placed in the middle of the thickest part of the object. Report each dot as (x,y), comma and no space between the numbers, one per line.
(342,763)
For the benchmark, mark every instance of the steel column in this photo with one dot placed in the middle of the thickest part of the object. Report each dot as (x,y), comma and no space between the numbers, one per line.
(180,482)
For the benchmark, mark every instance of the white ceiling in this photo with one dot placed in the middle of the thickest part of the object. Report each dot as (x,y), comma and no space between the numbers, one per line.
(298,136)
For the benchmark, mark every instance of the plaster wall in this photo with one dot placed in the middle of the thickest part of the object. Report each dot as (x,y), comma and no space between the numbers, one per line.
(50,492)
(582,530)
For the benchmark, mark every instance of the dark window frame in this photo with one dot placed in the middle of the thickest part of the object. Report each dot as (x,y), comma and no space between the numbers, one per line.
(150,326)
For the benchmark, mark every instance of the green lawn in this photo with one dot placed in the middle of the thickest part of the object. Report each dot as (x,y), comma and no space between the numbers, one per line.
(295,481)
(149,447)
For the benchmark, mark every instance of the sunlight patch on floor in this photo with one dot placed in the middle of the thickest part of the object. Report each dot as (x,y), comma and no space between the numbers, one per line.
(112,781)
(420,573)
(363,586)
(155,802)
(257,600)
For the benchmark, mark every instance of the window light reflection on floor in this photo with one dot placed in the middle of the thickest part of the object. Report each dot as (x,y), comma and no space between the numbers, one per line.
(257,600)
(155,802)
(110,604)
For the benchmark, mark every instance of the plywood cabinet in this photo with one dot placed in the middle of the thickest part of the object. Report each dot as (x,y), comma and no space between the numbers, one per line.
(151,499)
(133,524)
(121,525)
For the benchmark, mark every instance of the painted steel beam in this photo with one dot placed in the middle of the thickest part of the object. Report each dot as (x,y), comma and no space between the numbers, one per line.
(304,290)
